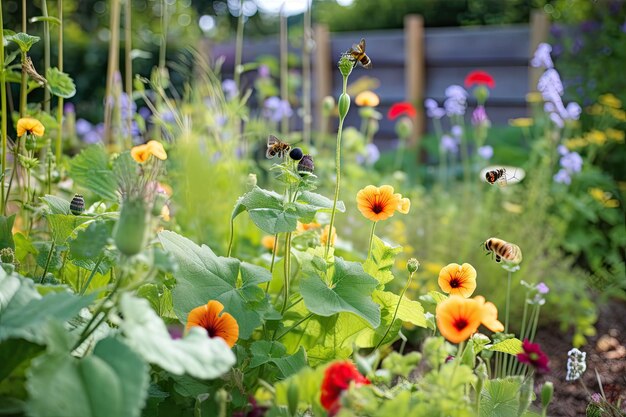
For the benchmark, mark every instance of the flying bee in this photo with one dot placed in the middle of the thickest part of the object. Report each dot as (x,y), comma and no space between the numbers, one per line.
(276,147)
(358,56)
(503,250)
(496,175)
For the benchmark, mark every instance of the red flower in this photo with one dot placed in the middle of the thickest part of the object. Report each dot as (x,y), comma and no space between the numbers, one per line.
(399,109)
(337,379)
(480,78)
(534,357)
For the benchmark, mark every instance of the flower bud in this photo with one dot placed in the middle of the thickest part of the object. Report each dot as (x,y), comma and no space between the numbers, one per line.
(252,181)
(77,205)
(296,154)
(404,127)
(546,393)
(130,230)
(306,164)
(344,105)
(481,93)
(345,65)
(7,256)
(292,399)
(159,202)
(30,144)
(412,265)
(328,105)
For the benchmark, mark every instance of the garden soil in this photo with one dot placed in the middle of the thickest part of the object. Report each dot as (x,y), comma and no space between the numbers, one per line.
(606,353)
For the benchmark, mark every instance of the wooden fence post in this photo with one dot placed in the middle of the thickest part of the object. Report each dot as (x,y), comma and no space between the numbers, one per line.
(322,72)
(539,31)
(415,69)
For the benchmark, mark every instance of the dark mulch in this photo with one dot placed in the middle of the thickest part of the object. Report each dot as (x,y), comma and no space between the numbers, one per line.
(606,353)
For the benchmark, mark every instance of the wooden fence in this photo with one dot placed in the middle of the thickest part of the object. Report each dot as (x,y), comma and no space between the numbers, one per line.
(416,63)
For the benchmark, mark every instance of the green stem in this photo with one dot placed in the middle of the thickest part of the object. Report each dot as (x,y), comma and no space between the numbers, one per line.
(239,47)
(337,174)
(267,286)
(23,87)
(45,270)
(93,273)
(504,357)
(13,174)
(369,250)
(306,77)
(395,313)
(296,324)
(46,54)
(59,143)
(535,323)
(231,237)
(3,109)
(128,66)
(287,271)
(284,70)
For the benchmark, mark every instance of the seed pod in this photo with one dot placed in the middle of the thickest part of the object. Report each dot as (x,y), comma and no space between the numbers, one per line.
(296,154)
(306,164)
(130,230)
(7,256)
(344,105)
(77,205)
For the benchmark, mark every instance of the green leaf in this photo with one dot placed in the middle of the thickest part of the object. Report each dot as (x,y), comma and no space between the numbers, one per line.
(196,354)
(499,398)
(204,276)
(320,202)
(24,41)
(381,261)
(350,290)
(308,381)
(511,346)
(14,352)
(6,232)
(49,19)
(87,387)
(264,351)
(402,365)
(131,370)
(27,320)
(62,226)
(90,169)
(56,204)
(89,242)
(59,83)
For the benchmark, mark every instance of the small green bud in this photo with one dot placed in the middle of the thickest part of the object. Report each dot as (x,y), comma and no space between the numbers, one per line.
(328,105)
(30,144)
(481,93)
(404,127)
(546,393)
(344,105)
(292,399)
(252,180)
(130,230)
(346,63)
(159,201)
(7,256)
(412,265)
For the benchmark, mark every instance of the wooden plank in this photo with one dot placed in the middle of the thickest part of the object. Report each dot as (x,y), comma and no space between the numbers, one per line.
(539,31)
(322,72)
(414,70)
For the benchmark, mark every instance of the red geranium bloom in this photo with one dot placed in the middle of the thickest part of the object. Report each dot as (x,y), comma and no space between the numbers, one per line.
(399,109)
(534,357)
(480,78)
(337,379)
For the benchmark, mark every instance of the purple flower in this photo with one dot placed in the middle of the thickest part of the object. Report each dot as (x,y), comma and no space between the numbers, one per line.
(550,81)
(556,30)
(229,87)
(573,111)
(275,109)
(94,135)
(542,56)
(449,144)
(623,27)
(479,116)
(69,108)
(572,162)
(456,92)
(168,116)
(457,131)
(485,152)
(372,154)
(596,397)
(577,45)
(83,127)
(542,288)
(557,119)
(456,100)
(562,177)
(430,104)
(433,110)
(145,112)
(562,149)
(263,71)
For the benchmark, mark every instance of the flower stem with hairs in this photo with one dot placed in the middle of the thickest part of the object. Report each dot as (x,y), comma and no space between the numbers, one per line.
(59,144)
(369,250)
(395,313)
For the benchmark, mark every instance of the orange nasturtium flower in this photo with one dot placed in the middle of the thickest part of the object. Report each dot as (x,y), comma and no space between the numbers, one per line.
(367,98)
(141,153)
(458,279)
(380,203)
(458,318)
(268,241)
(208,317)
(29,125)
(324,236)
(490,315)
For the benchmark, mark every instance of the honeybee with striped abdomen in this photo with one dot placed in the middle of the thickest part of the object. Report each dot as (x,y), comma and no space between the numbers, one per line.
(503,250)
(358,56)
(276,147)
(496,175)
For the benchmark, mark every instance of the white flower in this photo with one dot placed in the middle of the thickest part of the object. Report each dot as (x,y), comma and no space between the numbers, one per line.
(576,364)
(542,56)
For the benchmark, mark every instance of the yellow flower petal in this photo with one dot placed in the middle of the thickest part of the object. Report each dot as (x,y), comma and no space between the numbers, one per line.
(29,125)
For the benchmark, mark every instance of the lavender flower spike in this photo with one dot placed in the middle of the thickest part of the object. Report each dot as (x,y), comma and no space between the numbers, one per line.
(542,56)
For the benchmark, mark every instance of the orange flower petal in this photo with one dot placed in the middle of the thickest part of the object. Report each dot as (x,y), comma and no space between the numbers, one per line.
(208,317)
(458,279)
(490,315)
(140,153)
(458,318)
(29,125)
(156,149)
(379,203)
(367,98)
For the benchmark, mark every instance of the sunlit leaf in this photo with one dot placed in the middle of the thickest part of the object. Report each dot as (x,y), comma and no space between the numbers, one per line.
(90,169)
(381,261)
(264,351)
(49,19)
(62,226)
(204,276)
(511,346)
(499,397)
(56,204)
(90,241)
(59,83)
(24,41)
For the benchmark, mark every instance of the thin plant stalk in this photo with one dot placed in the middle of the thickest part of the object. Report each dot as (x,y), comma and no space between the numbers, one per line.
(45,270)
(46,54)
(239,47)
(287,271)
(23,86)
(24,28)
(109,101)
(306,77)
(128,65)
(267,286)
(284,70)
(93,273)
(59,140)
(395,313)
(505,358)
(3,109)
(337,168)
(369,250)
